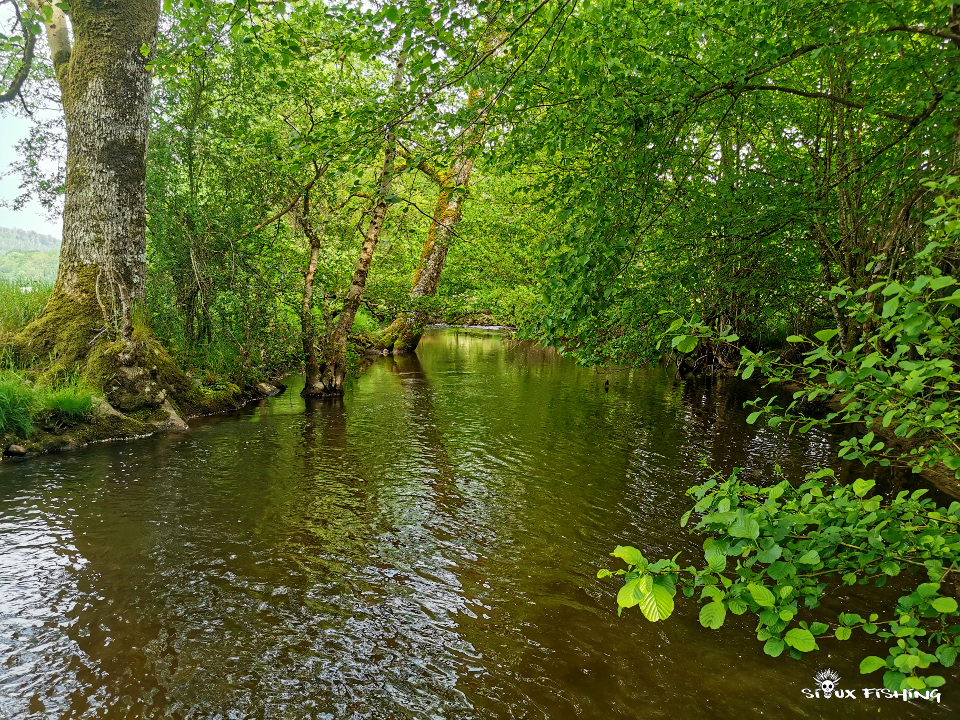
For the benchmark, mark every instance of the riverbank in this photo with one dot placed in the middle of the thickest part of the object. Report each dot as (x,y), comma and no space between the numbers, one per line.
(103,422)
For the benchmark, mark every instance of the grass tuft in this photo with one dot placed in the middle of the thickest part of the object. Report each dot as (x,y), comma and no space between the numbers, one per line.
(17,405)
(23,406)
(19,306)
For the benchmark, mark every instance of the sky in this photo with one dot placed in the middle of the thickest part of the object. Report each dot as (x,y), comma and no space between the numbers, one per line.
(32,216)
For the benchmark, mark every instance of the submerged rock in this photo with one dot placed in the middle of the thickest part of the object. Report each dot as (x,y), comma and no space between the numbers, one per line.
(16,451)
(268,389)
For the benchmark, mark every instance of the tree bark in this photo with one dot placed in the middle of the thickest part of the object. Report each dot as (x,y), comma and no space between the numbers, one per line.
(333,368)
(404,333)
(312,369)
(105,89)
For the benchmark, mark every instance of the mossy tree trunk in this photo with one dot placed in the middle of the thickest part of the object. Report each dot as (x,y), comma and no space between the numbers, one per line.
(105,91)
(404,333)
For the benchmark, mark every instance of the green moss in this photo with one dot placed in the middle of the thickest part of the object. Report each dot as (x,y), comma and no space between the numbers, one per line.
(59,339)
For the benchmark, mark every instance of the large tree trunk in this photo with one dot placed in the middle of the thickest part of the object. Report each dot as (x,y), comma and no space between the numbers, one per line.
(87,326)
(105,90)
(332,371)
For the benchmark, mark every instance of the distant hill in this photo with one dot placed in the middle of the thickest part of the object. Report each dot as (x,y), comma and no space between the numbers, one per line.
(29,267)
(17,240)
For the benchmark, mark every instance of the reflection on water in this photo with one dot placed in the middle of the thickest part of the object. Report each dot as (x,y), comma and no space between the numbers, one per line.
(425,548)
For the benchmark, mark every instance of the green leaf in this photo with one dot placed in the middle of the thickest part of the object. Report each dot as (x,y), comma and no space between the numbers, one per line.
(843,633)
(871,663)
(712,615)
(392,14)
(800,639)
(773,647)
(657,603)
(795,339)
(779,570)
(947,655)
(826,335)
(745,526)
(629,594)
(630,555)
(819,628)
(688,344)
(944,605)
(862,487)
(762,595)
(810,557)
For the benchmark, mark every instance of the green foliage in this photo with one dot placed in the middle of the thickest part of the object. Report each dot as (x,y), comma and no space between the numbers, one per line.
(17,306)
(697,158)
(775,551)
(898,379)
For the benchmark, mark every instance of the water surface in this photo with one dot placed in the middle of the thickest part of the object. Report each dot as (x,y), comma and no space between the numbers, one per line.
(426,548)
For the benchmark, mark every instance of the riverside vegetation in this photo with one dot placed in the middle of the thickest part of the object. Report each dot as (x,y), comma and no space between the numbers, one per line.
(766,187)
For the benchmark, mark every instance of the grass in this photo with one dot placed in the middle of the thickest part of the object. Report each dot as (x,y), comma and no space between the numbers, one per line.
(17,406)
(17,308)
(23,406)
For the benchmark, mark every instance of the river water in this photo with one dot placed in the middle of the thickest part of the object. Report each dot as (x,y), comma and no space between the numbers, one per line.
(426,548)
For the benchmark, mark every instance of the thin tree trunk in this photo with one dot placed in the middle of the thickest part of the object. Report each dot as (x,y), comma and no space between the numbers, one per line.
(333,370)
(312,369)
(311,361)
(404,333)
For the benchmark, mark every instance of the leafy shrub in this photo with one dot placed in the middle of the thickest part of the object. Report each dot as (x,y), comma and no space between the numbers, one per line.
(774,551)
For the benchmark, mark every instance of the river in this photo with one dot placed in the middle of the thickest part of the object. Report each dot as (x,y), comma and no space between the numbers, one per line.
(425,548)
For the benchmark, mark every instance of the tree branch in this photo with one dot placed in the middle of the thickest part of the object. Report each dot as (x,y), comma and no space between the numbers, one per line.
(824,96)
(29,43)
(58,35)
